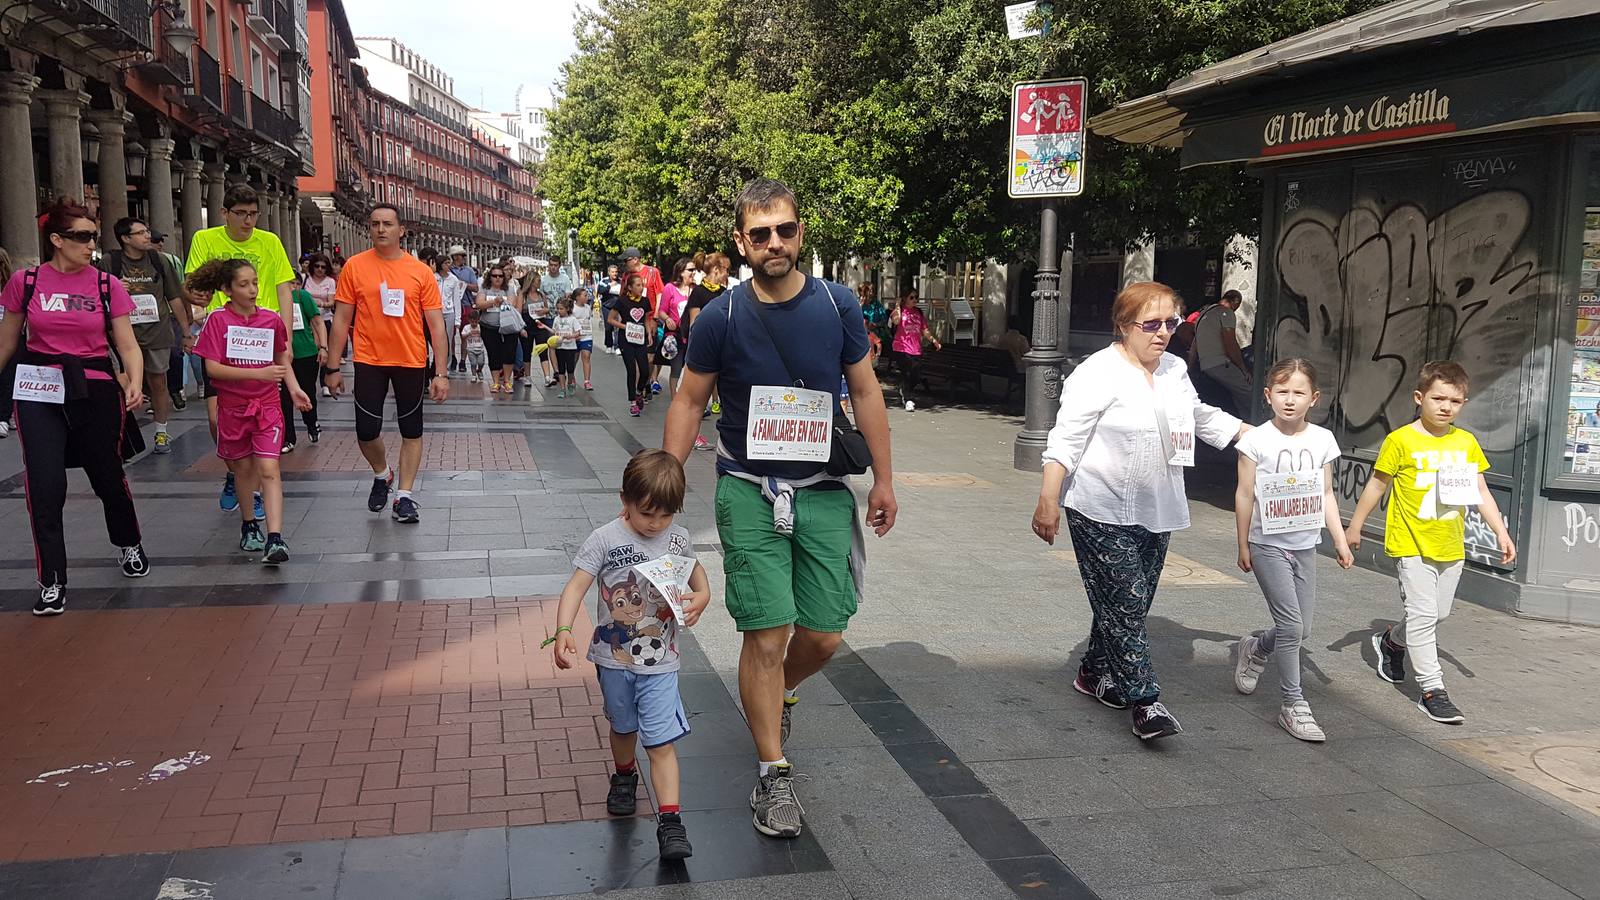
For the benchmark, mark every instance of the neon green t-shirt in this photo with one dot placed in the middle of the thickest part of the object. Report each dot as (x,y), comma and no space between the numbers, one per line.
(262,249)
(1418,523)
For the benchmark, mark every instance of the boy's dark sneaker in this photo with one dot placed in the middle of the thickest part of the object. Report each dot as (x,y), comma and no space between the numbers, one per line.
(1152,721)
(379,497)
(673,838)
(1101,688)
(52,601)
(783,724)
(405,511)
(1391,659)
(134,563)
(1437,705)
(277,552)
(623,798)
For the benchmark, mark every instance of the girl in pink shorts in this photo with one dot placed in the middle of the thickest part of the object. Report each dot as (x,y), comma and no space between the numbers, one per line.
(246,350)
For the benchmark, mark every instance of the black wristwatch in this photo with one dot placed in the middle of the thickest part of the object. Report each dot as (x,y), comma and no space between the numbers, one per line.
(330,371)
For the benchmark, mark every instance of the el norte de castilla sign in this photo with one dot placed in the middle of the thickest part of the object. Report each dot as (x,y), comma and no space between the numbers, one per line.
(1405,112)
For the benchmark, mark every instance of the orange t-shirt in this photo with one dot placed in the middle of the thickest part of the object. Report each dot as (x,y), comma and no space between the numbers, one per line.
(389,296)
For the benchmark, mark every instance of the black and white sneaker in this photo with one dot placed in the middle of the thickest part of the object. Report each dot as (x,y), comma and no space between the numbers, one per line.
(1391,658)
(52,601)
(1101,688)
(623,798)
(405,511)
(1153,720)
(672,838)
(775,810)
(277,552)
(1436,703)
(134,562)
(379,497)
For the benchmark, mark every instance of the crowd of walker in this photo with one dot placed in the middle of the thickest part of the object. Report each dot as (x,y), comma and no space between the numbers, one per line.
(775,356)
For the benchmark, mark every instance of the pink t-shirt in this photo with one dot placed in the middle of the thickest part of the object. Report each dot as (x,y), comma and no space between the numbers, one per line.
(64,317)
(908,334)
(672,303)
(322,290)
(213,344)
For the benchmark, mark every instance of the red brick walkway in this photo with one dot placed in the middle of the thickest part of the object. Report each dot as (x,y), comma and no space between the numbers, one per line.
(319,721)
(450,452)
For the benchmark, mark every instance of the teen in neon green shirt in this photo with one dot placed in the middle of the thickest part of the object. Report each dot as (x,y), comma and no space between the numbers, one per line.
(263,250)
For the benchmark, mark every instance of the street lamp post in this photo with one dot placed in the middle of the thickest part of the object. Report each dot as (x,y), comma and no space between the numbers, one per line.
(1043,385)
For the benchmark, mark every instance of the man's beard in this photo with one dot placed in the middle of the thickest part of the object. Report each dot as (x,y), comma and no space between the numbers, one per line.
(777,266)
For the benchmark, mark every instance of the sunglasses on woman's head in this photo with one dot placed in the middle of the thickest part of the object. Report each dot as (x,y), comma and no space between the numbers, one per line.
(84,236)
(763,233)
(1151,326)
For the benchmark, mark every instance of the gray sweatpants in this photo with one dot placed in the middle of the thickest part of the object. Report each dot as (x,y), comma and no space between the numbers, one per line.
(1288,579)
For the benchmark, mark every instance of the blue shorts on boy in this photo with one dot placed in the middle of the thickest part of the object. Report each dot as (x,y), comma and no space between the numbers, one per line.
(635,643)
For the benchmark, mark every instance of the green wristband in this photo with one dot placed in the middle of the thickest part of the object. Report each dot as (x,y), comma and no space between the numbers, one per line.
(552,638)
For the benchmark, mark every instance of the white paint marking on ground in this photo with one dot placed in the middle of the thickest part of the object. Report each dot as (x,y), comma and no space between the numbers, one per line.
(94,768)
(186,889)
(168,768)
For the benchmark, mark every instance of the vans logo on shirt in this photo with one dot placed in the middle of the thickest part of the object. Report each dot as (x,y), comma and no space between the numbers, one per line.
(69,303)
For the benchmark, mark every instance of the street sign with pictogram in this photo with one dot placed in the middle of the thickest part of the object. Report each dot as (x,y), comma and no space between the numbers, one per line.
(1047,138)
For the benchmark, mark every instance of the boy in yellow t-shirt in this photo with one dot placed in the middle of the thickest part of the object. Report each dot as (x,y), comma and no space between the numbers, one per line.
(1436,471)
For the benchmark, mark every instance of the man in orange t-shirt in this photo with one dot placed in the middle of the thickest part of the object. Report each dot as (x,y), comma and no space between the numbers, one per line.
(390,296)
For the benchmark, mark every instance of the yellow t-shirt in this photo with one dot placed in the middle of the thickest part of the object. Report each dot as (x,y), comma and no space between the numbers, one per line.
(263,250)
(1418,524)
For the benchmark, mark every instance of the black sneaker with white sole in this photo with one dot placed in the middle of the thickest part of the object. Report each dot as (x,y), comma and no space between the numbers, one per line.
(1153,720)
(405,511)
(1101,688)
(277,552)
(52,601)
(134,562)
(1436,703)
(378,498)
(1391,658)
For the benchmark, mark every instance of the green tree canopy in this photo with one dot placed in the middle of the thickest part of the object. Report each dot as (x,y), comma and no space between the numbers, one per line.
(887,117)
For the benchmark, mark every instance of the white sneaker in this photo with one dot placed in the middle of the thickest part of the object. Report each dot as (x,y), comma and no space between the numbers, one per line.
(1247,668)
(910,407)
(5,429)
(327,393)
(1296,719)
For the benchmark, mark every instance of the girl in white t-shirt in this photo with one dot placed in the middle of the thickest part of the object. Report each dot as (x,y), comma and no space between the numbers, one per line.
(1284,499)
(569,330)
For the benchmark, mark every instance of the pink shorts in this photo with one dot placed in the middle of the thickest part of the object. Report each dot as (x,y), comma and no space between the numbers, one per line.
(255,430)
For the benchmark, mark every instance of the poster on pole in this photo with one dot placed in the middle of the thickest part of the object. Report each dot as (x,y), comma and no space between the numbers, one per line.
(1047,132)
(1017,20)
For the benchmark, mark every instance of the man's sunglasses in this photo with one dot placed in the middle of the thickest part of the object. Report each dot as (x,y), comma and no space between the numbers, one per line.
(84,236)
(763,233)
(1151,326)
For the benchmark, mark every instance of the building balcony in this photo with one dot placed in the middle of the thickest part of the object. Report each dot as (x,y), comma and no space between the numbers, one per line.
(205,89)
(167,67)
(258,15)
(271,123)
(238,109)
(114,24)
(282,37)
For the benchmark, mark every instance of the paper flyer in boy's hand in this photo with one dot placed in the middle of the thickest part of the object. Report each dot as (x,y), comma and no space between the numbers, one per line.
(670,575)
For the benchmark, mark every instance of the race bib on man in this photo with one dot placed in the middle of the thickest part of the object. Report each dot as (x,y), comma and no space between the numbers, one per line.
(633,333)
(1458,485)
(146,310)
(1180,436)
(394,300)
(41,384)
(1290,501)
(790,424)
(250,344)
(299,318)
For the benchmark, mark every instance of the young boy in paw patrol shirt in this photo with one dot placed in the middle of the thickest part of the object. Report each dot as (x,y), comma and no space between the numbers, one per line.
(643,563)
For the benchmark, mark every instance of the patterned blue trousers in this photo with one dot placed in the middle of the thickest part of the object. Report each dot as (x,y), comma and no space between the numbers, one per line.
(1121,566)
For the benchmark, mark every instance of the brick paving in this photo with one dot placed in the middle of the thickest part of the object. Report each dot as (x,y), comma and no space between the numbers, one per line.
(320,722)
(337,451)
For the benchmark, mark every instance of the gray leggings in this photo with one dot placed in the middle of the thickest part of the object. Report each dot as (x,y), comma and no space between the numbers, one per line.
(1288,578)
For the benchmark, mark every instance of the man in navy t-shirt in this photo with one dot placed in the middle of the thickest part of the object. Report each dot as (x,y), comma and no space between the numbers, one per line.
(776,349)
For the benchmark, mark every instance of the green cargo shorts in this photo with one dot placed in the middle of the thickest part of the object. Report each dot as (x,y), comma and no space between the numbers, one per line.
(786,579)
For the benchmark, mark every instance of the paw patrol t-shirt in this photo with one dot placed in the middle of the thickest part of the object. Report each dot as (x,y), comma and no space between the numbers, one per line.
(634,627)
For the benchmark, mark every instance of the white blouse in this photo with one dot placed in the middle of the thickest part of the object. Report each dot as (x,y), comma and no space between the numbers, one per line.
(1107,437)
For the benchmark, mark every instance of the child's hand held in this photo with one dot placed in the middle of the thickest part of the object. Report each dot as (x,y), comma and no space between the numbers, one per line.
(1346,557)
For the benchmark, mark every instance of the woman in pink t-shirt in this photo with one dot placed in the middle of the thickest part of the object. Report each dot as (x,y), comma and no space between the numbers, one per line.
(70,406)
(910,328)
(246,349)
(674,300)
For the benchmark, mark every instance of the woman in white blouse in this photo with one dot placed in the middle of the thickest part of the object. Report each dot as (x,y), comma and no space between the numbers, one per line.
(1115,462)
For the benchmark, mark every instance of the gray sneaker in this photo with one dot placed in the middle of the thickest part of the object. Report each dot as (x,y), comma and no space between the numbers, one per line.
(777,811)
(1248,667)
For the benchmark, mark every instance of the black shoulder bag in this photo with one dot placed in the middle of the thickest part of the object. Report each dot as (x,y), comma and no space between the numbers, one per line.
(849,453)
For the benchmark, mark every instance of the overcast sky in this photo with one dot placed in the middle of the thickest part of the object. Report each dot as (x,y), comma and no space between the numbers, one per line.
(489,46)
